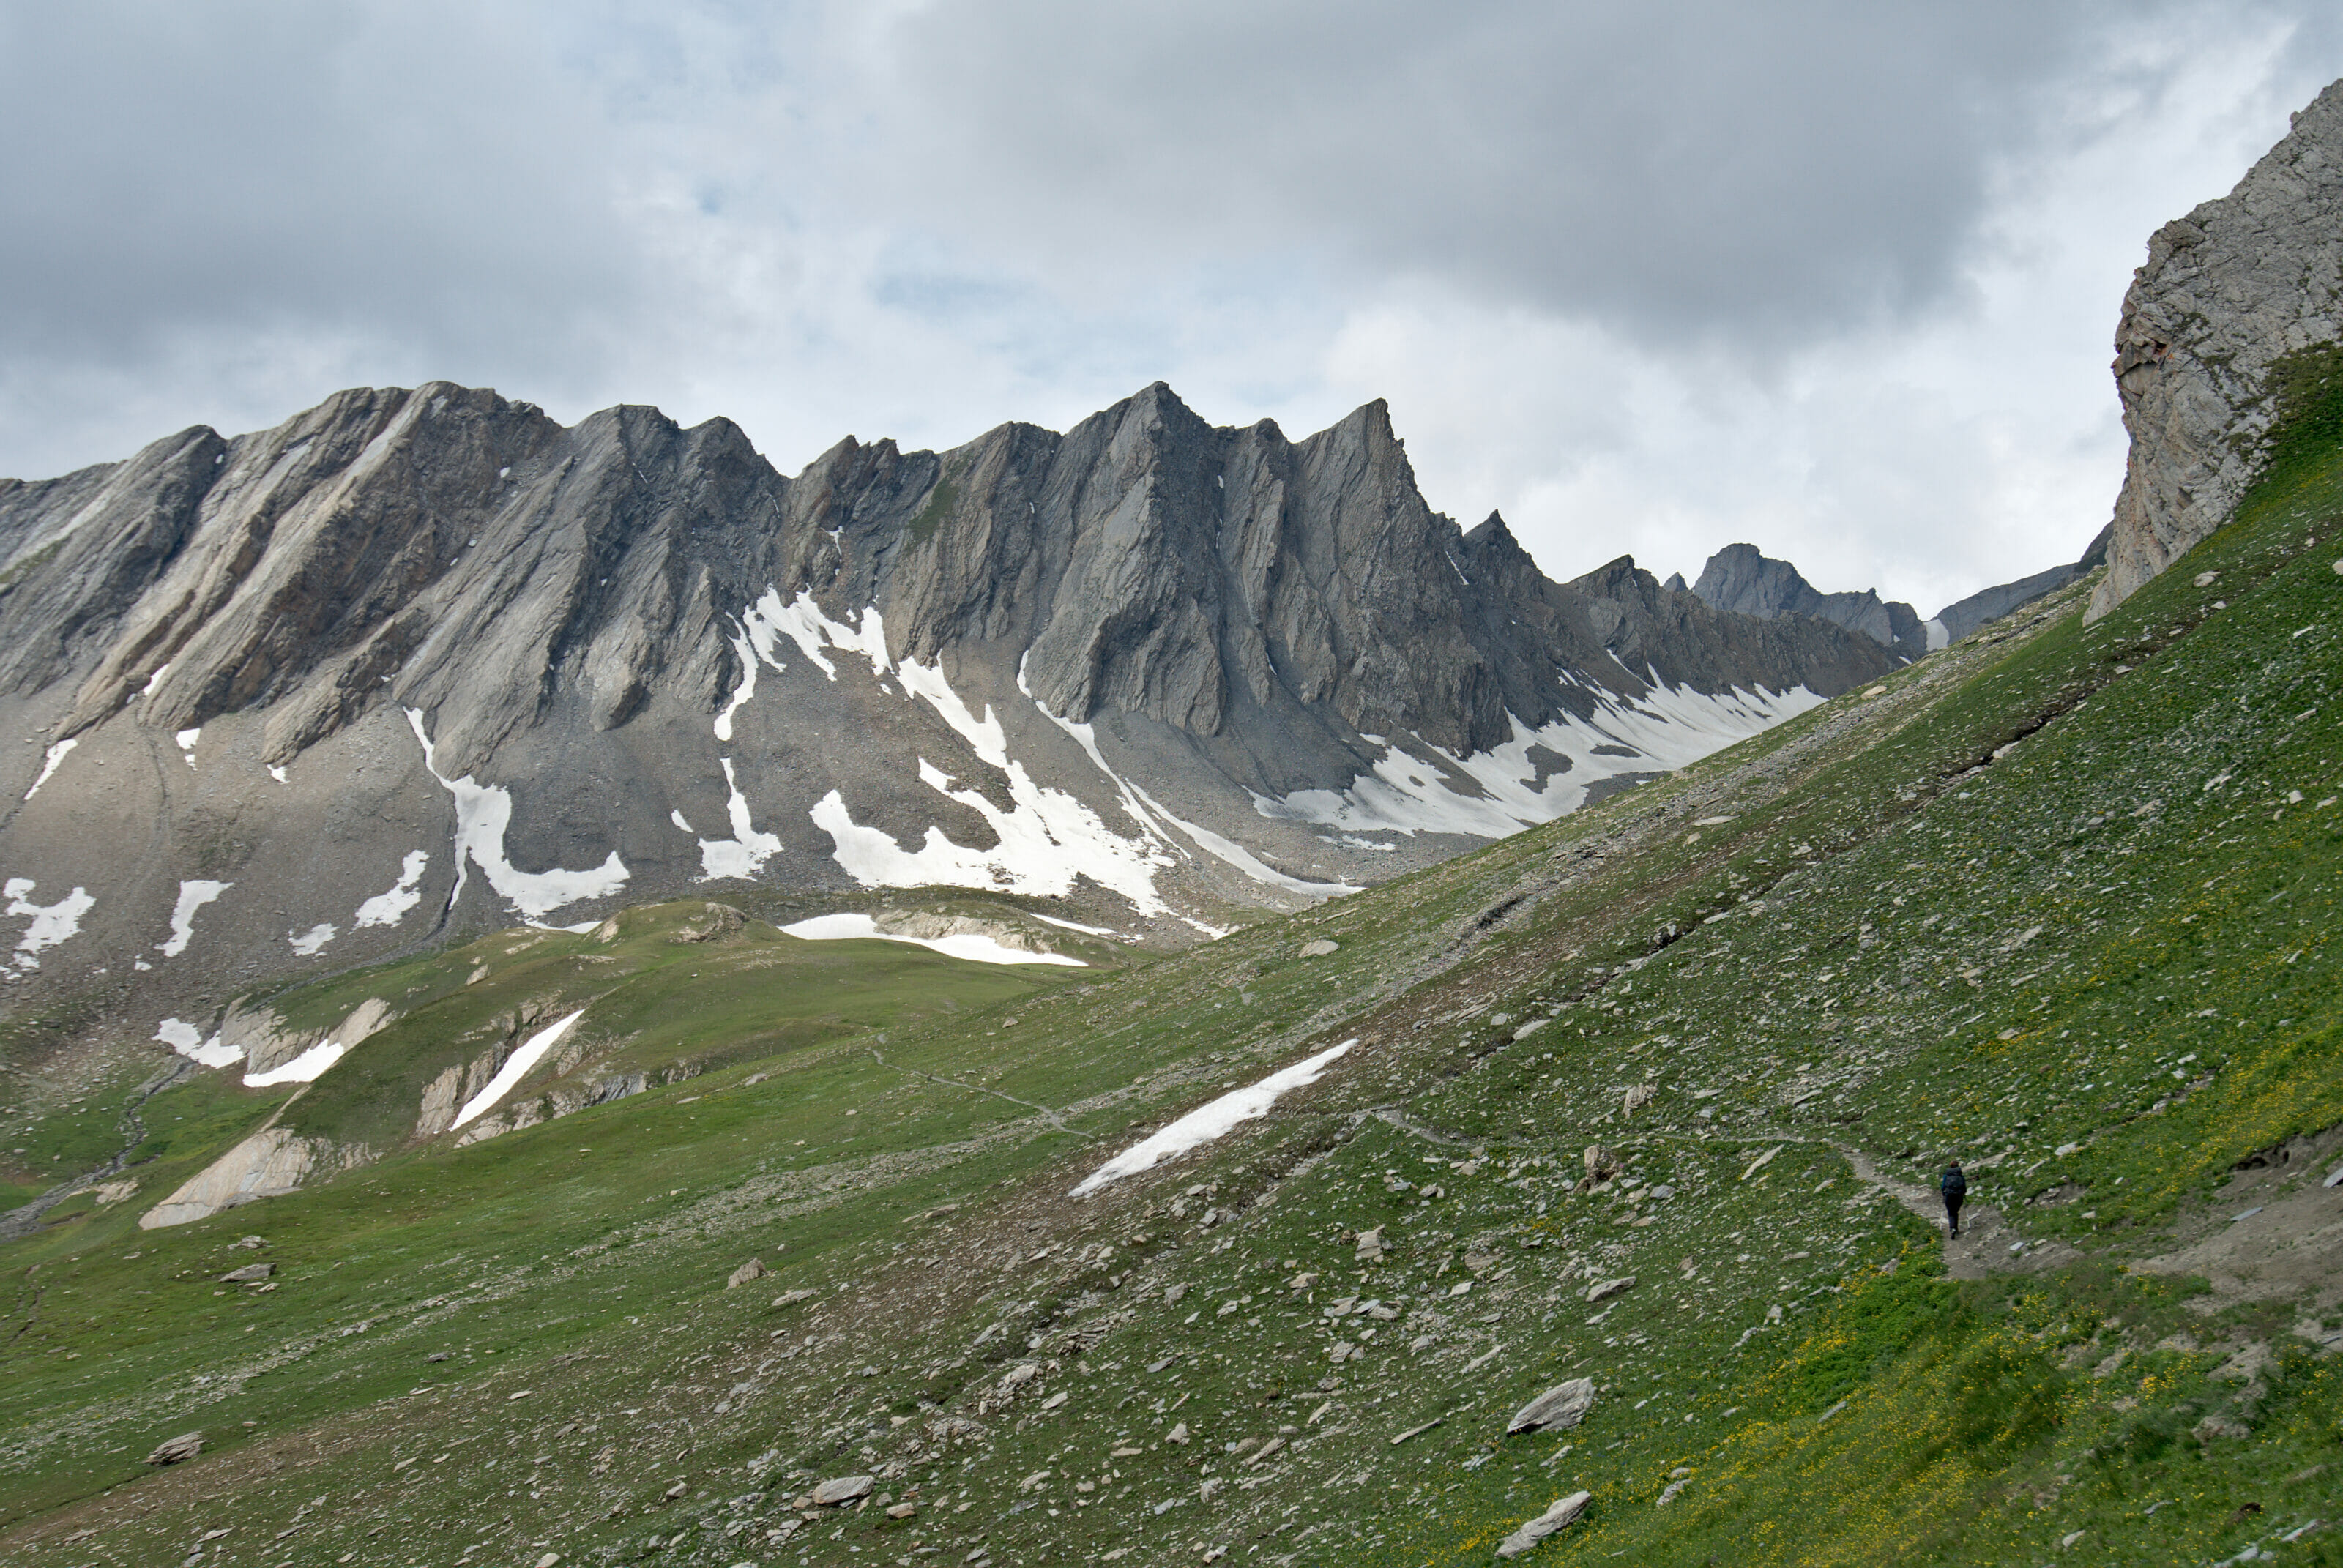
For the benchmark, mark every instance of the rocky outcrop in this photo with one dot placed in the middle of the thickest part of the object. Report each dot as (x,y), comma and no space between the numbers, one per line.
(2237,316)
(270,1164)
(1741,579)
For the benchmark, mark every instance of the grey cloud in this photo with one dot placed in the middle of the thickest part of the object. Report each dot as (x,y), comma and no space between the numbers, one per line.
(1703,168)
(426,177)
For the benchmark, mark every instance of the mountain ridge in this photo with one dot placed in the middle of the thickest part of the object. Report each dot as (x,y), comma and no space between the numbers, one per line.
(1167,669)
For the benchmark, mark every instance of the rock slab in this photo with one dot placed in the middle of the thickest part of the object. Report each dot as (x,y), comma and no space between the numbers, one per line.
(841,1489)
(1556,1410)
(185,1447)
(1564,1511)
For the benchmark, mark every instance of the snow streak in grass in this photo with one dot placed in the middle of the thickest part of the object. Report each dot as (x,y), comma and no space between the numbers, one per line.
(516,1067)
(969,945)
(1208,1122)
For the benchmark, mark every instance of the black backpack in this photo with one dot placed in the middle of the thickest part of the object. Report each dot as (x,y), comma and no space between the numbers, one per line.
(1954,1185)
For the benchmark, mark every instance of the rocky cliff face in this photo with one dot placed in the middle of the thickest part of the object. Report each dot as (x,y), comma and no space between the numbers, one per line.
(2236,301)
(1740,580)
(419,662)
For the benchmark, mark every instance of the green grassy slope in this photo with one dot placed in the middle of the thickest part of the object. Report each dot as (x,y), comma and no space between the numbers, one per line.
(2057,899)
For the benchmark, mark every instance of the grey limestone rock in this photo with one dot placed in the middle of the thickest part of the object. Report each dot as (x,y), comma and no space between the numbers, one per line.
(1556,1410)
(1742,580)
(841,1489)
(177,1449)
(1564,1511)
(2232,298)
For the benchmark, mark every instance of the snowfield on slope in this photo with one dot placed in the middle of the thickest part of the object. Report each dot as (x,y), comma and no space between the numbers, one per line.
(1209,1121)
(969,945)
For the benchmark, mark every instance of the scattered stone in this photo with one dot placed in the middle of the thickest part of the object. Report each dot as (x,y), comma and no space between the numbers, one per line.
(437,1356)
(1054,1400)
(903,1510)
(1340,1351)
(1608,1288)
(185,1447)
(250,1274)
(1019,1376)
(841,1489)
(1602,1164)
(1639,1095)
(1417,1431)
(1762,1160)
(672,1493)
(1178,1434)
(1371,1245)
(1563,1512)
(752,1269)
(789,1298)
(1558,1409)
(1318,949)
(247,1243)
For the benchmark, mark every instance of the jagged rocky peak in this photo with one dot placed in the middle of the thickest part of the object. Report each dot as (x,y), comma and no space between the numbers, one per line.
(418,662)
(2237,316)
(1742,580)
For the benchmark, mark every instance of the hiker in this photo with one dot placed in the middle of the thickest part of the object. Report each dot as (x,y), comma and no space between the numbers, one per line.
(1955,1187)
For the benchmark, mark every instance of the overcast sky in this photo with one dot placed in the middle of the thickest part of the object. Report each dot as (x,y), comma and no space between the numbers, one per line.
(1838,279)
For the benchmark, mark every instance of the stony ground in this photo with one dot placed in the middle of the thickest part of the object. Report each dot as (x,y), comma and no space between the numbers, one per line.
(1654,1097)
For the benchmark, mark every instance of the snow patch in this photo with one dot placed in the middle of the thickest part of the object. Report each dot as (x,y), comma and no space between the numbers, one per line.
(483,811)
(516,1067)
(1077,926)
(155,679)
(49,760)
(968,945)
(1669,728)
(744,853)
(193,896)
(276,772)
(746,651)
(309,943)
(388,908)
(1145,809)
(1208,1122)
(305,1068)
(186,739)
(57,922)
(189,1041)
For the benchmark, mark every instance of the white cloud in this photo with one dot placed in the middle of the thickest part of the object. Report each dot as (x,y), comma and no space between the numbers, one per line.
(1839,280)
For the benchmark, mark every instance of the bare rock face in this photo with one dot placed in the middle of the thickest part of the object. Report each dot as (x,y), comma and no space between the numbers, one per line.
(419,663)
(1744,581)
(2234,314)
(270,1164)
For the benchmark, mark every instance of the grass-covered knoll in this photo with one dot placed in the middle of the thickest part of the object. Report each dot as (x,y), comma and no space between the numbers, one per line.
(1995,909)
